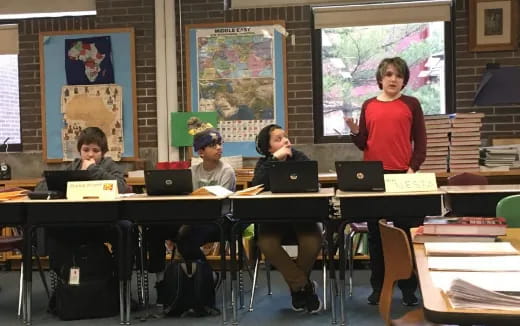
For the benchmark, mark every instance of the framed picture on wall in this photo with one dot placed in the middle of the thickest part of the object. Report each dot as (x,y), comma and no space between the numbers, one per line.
(493,25)
(87,78)
(238,71)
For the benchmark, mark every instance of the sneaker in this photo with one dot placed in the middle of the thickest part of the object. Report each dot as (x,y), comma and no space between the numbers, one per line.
(312,300)
(298,300)
(373,299)
(409,299)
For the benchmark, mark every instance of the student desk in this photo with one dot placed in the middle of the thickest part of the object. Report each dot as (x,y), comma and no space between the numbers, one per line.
(478,200)
(157,210)
(437,308)
(267,207)
(62,212)
(372,206)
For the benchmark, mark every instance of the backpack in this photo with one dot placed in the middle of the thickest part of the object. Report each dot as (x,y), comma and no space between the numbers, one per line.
(187,289)
(97,293)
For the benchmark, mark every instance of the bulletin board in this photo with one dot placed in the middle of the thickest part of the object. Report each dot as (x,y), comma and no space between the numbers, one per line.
(53,78)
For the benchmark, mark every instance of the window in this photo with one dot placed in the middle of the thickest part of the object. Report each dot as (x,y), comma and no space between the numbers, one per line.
(9,105)
(346,59)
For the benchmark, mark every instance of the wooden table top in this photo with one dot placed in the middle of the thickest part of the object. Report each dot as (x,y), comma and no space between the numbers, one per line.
(434,299)
(513,188)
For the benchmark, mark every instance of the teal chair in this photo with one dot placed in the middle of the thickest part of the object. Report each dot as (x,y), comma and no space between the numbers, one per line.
(509,208)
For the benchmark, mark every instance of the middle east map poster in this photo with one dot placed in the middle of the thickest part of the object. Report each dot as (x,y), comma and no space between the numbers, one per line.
(238,72)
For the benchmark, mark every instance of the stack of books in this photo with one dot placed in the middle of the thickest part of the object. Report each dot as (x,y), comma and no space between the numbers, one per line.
(460,229)
(437,129)
(476,275)
(465,141)
(499,156)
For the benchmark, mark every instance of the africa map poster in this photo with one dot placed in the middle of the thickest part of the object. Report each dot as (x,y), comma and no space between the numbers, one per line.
(85,106)
(89,61)
(237,72)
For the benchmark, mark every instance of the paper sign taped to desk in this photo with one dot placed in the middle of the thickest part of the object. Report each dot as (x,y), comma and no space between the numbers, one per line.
(410,182)
(98,189)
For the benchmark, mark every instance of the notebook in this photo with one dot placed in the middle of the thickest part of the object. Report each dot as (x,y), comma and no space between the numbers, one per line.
(168,182)
(293,176)
(57,183)
(360,175)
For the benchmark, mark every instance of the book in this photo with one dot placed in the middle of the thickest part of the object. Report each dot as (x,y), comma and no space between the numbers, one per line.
(469,249)
(475,263)
(490,226)
(464,294)
(251,191)
(211,191)
(420,237)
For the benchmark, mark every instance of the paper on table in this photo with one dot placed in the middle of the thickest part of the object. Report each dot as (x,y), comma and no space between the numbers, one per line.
(469,249)
(212,190)
(476,263)
(494,281)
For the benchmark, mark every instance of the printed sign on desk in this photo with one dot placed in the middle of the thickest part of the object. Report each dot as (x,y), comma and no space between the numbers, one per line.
(410,182)
(98,189)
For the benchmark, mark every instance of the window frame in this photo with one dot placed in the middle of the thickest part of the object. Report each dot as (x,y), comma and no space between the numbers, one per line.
(317,81)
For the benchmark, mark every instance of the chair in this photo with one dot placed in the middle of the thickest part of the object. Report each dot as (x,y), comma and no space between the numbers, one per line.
(467,179)
(398,265)
(15,243)
(355,228)
(509,208)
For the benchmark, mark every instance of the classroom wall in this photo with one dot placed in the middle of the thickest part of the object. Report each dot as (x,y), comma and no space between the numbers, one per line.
(503,120)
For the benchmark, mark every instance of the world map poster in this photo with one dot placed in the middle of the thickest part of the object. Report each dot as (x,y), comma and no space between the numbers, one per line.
(85,106)
(236,79)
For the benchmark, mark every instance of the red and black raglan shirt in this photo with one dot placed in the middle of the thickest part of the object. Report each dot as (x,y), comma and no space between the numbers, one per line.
(393,132)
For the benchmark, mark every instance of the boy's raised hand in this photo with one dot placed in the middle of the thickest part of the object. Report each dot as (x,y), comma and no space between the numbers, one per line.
(352,124)
(86,163)
(283,152)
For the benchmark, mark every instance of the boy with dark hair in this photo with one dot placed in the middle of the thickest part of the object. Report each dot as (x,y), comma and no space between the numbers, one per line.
(273,143)
(211,171)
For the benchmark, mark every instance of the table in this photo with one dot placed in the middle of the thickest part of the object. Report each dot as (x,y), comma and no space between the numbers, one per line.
(157,210)
(372,206)
(62,212)
(477,200)
(267,207)
(436,306)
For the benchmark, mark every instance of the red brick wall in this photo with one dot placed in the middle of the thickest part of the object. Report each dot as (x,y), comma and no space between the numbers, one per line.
(140,14)
(499,120)
(110,14)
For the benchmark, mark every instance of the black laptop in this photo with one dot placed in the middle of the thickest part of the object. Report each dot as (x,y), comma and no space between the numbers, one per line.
(293,176)
(57,183)
(168,182)
(360,175)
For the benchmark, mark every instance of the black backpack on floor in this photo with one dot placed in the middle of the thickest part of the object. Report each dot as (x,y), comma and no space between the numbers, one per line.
(187,289)
(97,293)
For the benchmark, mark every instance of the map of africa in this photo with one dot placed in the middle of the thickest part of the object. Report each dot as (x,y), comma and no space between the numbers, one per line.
(90,56)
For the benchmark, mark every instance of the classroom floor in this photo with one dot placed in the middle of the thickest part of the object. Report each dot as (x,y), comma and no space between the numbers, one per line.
(268,310)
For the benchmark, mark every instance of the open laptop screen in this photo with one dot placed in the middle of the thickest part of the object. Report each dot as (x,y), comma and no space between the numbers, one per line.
(293,176)
(168,182)
(57,179)
(360,175)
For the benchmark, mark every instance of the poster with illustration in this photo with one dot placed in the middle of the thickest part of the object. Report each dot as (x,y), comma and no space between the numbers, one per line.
(237,71)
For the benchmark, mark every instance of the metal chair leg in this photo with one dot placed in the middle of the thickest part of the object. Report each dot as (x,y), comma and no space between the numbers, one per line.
(350,257)
(20,294)
(253,287)
(324,269)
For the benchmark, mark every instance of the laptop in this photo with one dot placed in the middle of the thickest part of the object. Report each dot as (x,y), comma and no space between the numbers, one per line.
(293,176)
(168,182)
(57,183)
(360,175)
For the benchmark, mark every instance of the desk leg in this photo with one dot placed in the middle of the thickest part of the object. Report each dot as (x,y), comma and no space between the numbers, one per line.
(234,283)
(27,261)
(332,272)
(223,273)
(341,245)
